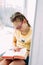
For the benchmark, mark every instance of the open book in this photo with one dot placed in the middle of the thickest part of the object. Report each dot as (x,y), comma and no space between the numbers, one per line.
(11,54)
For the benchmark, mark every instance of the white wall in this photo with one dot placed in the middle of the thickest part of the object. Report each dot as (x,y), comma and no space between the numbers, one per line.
(31,5)
(37,46)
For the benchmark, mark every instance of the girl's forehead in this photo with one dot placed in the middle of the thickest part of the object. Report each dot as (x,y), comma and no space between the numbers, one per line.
(18,20)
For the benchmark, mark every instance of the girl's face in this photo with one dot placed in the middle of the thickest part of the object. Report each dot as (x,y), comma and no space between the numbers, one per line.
(17,24)
(22,26)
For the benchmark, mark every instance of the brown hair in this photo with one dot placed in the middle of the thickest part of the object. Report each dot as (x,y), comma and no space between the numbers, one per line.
(19,16)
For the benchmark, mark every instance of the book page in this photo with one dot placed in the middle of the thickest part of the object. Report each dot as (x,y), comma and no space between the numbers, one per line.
(15,54)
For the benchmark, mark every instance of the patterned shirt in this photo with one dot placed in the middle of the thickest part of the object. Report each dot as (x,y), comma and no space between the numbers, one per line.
(23,41)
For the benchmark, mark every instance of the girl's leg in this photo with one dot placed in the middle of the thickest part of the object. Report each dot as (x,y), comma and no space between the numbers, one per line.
(5,62)
(27,60)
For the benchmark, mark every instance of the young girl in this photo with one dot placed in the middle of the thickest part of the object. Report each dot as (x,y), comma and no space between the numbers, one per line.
(22,37)
(23,32)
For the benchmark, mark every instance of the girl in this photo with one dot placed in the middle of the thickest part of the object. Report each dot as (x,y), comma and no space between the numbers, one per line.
(22,37)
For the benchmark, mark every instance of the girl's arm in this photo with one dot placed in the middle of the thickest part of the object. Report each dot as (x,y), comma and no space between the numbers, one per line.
(14,41)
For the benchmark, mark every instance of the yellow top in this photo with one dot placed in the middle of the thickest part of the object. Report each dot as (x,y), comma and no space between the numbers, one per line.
(23,41)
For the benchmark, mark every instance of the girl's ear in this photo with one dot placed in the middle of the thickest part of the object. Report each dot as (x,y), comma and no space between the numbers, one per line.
(24,21)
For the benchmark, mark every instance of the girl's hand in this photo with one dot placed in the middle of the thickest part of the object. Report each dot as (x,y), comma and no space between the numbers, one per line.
(17,49)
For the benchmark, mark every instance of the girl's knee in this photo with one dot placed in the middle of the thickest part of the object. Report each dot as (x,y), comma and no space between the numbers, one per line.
(18,62)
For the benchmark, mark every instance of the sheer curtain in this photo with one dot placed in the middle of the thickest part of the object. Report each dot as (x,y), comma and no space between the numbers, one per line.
(8,7)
